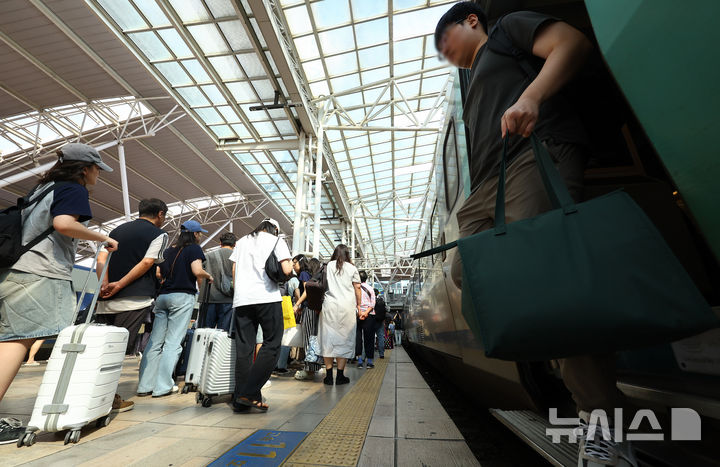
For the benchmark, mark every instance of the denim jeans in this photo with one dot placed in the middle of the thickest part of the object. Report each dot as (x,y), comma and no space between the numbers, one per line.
(218,314)
(172,316)
(380,333)
(282,362)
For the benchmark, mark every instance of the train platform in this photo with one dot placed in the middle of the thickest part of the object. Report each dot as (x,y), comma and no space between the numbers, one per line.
(385,416)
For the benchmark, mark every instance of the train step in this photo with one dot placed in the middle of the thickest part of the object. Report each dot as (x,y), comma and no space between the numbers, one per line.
(530,427)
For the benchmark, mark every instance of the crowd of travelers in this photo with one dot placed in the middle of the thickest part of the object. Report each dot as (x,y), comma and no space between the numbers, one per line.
(151,289)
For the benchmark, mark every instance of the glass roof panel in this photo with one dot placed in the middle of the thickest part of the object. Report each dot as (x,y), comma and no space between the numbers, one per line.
(235,34)
(251,64)
(298,20)
(175,42)
(375,57)
(193,96)
(150,45)
(152,13)
(341,64)
(124,14)
(337,40)
(190,11)
(209,38)
(329,14)
(221,8)
(307,48)
(372,32)
(174,73)
(227,67)
(368,9)
(196,71)
(242,91)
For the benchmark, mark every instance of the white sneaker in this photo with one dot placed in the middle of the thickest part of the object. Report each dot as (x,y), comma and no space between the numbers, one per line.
(597,448)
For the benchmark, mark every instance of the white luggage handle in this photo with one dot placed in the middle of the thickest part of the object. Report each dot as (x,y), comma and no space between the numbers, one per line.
(78,307)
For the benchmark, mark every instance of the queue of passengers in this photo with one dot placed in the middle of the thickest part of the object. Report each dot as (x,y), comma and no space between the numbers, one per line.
(150,281)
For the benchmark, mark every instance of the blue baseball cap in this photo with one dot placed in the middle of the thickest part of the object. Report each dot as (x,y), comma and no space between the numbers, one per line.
(192,226)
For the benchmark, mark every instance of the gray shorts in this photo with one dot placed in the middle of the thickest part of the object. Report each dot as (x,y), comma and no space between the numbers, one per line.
(33,306)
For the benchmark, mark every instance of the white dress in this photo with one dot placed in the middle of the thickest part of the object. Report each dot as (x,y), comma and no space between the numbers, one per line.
(336,328)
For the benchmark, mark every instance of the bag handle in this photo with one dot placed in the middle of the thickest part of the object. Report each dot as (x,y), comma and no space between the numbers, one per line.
(553,181)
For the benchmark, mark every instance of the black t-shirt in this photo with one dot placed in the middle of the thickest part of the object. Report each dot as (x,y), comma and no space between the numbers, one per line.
(180,278)
(496,82)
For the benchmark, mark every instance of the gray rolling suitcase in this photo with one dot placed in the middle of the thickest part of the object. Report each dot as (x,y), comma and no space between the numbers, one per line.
(81,378)
(217,376)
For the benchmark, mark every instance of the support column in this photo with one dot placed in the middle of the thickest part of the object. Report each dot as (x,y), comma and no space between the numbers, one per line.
(299,198)
(123,181)
(318,188)
(352,232)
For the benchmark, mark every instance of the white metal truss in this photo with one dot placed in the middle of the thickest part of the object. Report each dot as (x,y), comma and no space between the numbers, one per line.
(207,210)
(101,123)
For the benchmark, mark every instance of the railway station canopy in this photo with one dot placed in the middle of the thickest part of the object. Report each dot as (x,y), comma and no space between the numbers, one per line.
(324,115)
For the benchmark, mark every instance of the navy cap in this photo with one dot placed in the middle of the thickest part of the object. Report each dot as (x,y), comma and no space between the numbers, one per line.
(192,226)
(83,152)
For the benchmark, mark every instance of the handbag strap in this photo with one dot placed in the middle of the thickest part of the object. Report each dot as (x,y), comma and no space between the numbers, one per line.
(172,268)
(553,181)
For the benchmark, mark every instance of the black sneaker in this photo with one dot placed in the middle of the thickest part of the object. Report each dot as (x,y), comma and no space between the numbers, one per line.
(341,380)
(329,379)
(11,430)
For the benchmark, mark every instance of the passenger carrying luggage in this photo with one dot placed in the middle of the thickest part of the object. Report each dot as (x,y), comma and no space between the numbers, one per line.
(217,376)
(81,378)
(582,278)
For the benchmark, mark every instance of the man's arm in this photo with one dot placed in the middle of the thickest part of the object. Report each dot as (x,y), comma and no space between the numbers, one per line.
(134,274)
(564,49)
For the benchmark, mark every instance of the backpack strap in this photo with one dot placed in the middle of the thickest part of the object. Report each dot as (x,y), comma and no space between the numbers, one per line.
(26,203)
(499,41)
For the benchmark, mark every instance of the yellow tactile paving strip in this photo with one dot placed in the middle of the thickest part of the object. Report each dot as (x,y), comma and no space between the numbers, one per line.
(338,439)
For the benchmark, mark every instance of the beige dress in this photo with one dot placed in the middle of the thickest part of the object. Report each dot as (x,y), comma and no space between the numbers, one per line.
(336,328)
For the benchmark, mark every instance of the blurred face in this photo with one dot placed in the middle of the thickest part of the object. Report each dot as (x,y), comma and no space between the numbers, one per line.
(91,174)
(459,42)
(296,266)
(160,219)
(198,235)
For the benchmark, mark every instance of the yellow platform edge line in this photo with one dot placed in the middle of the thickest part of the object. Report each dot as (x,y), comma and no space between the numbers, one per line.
(339,438)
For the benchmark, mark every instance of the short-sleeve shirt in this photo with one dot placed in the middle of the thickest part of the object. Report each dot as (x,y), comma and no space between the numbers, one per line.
(368,297)
(496,82)
(218,264)
(252,284)
(341,290)
(292,285)
(180,278)
(303,277)
(54,256)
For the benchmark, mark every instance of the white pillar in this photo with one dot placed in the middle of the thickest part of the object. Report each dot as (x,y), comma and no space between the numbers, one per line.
(123,180)
(318,191)
(352,232)
(299,198)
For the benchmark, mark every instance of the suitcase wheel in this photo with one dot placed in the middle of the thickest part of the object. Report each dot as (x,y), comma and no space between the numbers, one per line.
(72,436)
(28,439)
(206,401)
(103,421)
(185,389)
(198,397)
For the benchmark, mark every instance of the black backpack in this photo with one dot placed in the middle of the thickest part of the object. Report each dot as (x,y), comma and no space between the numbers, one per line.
(272,267)
(11,228)
(599,104)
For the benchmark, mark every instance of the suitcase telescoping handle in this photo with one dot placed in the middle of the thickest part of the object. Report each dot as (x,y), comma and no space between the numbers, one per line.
(78,307)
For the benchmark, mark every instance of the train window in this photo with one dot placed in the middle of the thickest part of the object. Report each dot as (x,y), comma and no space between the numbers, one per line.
(451,167)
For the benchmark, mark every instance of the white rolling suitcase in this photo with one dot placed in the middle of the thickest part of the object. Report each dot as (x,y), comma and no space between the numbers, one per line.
(218,370)
(198,345)
(81,378)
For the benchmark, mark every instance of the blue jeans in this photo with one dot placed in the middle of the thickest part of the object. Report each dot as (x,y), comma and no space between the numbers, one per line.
(172,316)
(283,358)
(218,314)
(380,333)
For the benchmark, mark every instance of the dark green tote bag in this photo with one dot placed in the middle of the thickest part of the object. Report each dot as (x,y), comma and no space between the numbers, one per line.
(583,278)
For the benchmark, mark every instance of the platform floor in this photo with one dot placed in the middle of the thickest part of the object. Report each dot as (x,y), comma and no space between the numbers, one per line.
(408,425)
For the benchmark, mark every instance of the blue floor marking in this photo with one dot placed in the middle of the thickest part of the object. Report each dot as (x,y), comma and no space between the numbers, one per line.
(264,448)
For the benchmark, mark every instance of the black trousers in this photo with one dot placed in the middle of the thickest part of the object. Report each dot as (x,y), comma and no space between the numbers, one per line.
(251,376)
(130,320)
(365,334)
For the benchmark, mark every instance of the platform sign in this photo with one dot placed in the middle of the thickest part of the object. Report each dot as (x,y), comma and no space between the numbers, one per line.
(264,448)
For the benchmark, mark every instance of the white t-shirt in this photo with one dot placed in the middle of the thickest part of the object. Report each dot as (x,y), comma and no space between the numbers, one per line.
(120,305)
(252,284)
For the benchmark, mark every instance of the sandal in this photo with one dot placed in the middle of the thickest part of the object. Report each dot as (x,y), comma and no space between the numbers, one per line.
(252,404)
